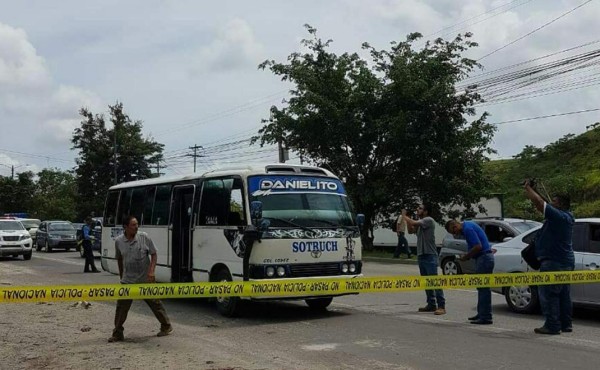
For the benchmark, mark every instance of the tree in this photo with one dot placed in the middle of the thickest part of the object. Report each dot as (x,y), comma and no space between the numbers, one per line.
(55,195)
(394,128)
(110,156)
(16,194)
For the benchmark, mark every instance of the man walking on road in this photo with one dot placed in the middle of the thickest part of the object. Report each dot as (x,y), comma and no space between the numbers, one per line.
(136,258)
(479,249)
(554,250)
(427,257)
(401,231)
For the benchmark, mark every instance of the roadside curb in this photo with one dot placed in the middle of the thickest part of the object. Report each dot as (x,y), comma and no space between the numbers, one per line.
(402,261)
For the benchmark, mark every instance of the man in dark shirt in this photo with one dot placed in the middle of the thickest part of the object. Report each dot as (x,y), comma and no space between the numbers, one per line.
(479,249)
(86,244)
(554,250)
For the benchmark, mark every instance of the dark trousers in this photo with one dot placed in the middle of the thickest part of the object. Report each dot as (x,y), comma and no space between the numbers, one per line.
(89,256)
(484,264)
(402,246)
(123,306)
(556,299)
(428,266)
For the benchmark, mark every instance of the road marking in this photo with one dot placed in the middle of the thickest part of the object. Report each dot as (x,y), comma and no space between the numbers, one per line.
(57,260)
(320,347)
(488,328)
(577,342)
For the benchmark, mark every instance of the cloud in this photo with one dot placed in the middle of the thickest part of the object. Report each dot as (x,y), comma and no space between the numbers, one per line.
(235,47)
(34,102)
(21,69)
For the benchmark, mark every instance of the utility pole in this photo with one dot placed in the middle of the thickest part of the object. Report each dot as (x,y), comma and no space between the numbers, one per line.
(195,155)
(115,149)
(283,151)
(12,172)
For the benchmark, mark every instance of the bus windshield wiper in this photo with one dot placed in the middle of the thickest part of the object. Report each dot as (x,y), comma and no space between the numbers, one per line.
(345,227)
(291,223)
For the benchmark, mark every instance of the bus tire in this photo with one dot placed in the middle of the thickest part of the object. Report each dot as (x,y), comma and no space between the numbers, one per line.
(227,306)
(319,304)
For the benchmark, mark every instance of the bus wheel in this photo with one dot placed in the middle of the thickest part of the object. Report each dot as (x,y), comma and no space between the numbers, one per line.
(319,304)
(227,306)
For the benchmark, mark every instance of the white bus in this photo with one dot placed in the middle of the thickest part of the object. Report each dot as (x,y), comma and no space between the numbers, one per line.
(256,222)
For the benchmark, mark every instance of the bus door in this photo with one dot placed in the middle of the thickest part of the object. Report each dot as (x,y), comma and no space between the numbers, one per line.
(180,232)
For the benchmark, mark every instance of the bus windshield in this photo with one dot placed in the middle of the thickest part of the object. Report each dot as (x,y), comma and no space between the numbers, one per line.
(301,200)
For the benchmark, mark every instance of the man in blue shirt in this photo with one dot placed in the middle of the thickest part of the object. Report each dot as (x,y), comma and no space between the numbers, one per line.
(479,249)
(90,266)
(554,250)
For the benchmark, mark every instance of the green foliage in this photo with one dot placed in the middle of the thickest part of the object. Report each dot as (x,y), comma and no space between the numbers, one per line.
(570,165)
(95,170)
(54,197)
(393,127)
(16,195)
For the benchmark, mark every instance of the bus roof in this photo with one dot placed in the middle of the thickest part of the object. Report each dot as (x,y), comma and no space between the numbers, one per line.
(245,170)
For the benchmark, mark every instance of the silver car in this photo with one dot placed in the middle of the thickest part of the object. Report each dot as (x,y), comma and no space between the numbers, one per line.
(55,234)
(497,230)
(586,245)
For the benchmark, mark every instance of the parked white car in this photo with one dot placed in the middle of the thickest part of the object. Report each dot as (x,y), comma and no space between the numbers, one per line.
(31,224)
(14,239)
(586,245)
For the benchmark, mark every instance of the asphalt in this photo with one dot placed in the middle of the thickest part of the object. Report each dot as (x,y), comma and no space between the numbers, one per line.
(391,260)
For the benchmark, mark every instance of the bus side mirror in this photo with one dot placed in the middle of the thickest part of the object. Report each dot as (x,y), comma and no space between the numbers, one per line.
(256,208)
(360,220)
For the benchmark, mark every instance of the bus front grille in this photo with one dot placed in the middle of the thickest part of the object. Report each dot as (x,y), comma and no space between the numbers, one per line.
(315,269)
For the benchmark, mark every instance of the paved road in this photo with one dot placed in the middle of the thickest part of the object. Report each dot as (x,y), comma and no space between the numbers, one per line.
(378,331)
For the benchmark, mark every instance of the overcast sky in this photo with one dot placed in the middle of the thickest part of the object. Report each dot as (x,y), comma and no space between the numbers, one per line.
(188,69)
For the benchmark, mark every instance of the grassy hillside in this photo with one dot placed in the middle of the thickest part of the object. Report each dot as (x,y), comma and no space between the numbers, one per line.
(571,165)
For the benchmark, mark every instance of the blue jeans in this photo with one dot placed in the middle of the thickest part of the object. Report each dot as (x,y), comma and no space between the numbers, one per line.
(556,299)
(402,246)
(428,266)
(484,264)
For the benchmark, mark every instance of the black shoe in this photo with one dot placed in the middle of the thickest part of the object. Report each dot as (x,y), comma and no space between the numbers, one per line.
(473,318)
(545,330)
(482,322)
(96,271)
(567,330)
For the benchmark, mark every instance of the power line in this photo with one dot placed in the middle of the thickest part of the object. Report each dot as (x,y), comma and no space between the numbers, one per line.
(535,30)
(226,113)
(530,60)
(37,156)
(547,116)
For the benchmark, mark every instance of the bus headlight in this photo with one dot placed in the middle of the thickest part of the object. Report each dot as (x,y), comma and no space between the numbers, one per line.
(280,271)
(352,268)
(344,268)
(270,271)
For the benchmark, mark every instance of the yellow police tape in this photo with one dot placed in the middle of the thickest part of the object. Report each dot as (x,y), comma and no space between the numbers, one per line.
(287,288)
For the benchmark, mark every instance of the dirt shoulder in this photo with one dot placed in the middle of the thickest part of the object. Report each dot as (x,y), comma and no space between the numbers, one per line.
(66,335)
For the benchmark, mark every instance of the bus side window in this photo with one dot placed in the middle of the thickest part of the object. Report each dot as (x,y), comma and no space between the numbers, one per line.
(124,205)
(214,204)
(136,209)
(148,205)
(110,210)
(236,205)
(162,202)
